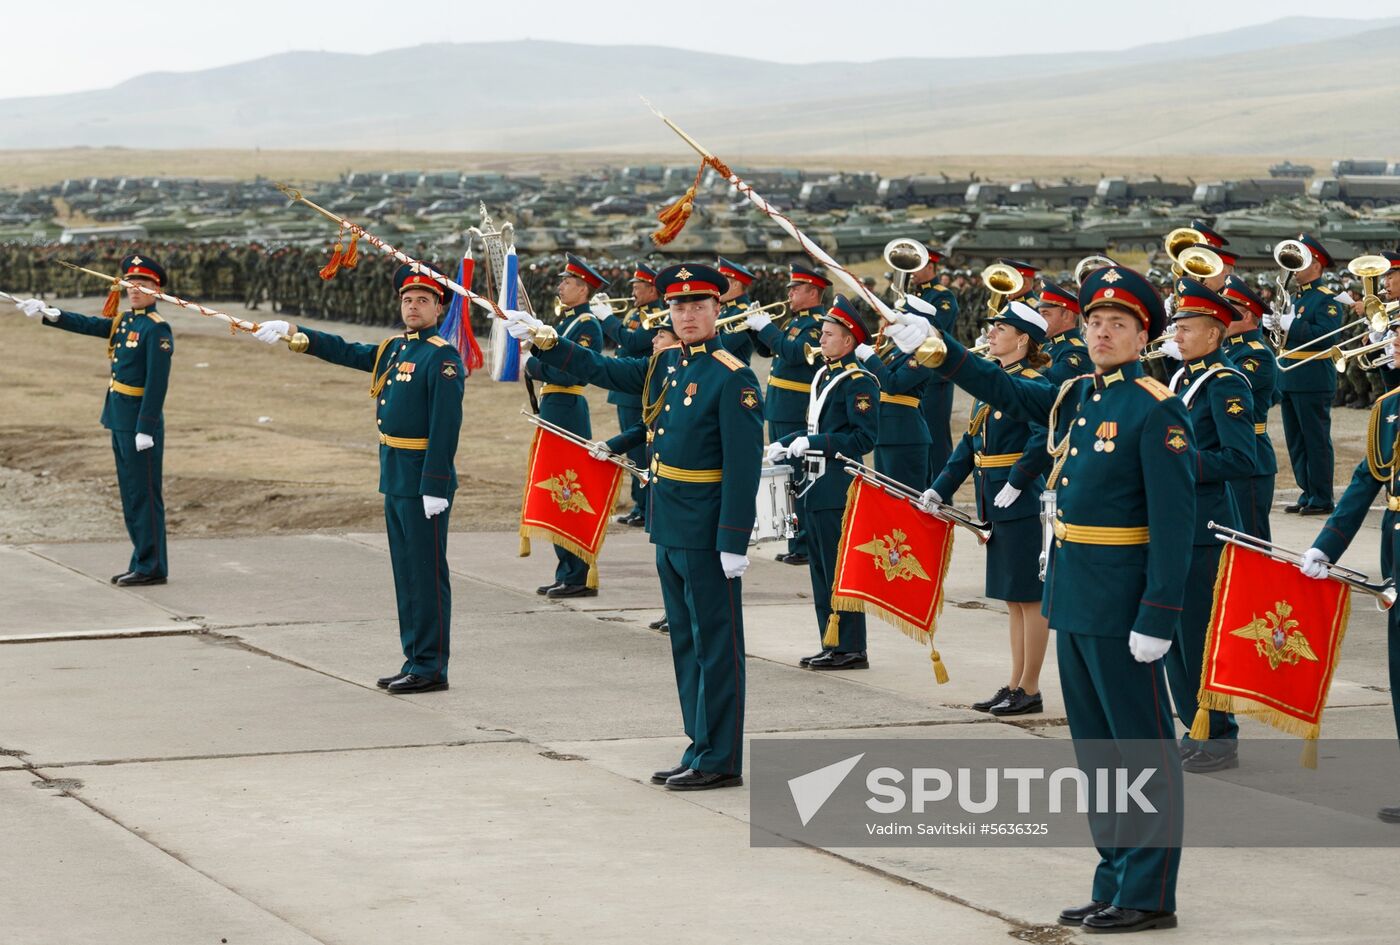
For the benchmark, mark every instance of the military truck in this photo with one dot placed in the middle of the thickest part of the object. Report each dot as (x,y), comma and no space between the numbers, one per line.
(1120,192)
(1352,166)
(838,192)
(941,191)
(1221,195)
(1364,193)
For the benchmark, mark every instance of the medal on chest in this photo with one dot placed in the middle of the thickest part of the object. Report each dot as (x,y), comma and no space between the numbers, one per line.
(405,371)
(690,390)
(1103,442)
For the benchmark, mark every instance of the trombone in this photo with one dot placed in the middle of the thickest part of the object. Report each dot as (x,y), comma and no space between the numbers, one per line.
(1383,592)
(736,322)
(898,489)
(1377,317)
(1362,355)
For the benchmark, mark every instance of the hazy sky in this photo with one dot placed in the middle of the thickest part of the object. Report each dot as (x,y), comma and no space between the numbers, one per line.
(80,44)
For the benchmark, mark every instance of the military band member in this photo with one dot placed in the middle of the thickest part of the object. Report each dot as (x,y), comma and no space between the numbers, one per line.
(1110,642)
(1211,238)
(417,382)
(1378,470)
(562,401)
(1030,276)
(1390,291)
(1064,344)
(936,302)
(633,340)
(790,381)
(139,347)
(1008,482)
(706,459)
(1221,405)
(1308,388)
(842,417)
(1254,495)
(734,301)
(902,444)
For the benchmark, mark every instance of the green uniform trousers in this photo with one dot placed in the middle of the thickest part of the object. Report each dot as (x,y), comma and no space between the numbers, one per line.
(143,507)
(824,533)
(418,553)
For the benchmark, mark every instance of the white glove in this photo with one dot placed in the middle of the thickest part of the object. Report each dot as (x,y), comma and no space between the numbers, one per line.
(269,333)
(1280,320)
(600,308)
(1314,564)
(863,352)
(1374,336)
(908,331)
(432,505)
(144,441)
(798,447)
(522,325)
(599,451)
(1169,305)
(919,305)
(1286,319)
(929,500)
(1008,495)
(757,321)
(1171,349)
(35,307)
(733,565)
(1147,649)
(774,452)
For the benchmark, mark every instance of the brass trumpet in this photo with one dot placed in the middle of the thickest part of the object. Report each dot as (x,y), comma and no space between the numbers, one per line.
(737,322)
(1153,350)
(1004,281)
(812,353)
(618,305)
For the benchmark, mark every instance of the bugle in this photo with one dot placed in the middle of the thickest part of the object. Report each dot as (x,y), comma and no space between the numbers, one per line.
(737,322)
(1004,281)
(618,305)
(1383,592)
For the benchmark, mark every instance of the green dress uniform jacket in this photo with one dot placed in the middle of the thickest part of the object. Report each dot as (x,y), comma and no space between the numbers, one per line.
(707,457)
(1069,357)
(633,341)
(1307,394)
(417,383)
(1106,580)
(936,401)
(901,446)
(140,347)
(738,343)
(1254,495)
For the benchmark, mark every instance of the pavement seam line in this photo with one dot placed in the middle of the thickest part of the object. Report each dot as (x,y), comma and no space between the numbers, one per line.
(31,549)
(290,753)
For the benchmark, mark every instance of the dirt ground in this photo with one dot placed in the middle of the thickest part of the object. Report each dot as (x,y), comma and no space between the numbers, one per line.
(260,440)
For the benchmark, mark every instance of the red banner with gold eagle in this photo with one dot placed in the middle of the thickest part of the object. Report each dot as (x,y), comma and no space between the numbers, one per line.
(891,563)
(568,498)
(1272,645)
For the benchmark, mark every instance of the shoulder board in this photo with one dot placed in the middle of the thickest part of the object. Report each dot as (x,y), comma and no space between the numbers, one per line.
(1077,343)
(1223,371)
(1154,387)
(437,340)
(585,317)
(941,288)
(1259,346)
(1325,290)
(155,318)
(727,359)
(1030,372)
(1386,396)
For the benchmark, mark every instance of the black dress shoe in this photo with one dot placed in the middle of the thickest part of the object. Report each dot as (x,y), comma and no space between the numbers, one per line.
(137,579)
(1020,703)
(123,575)
(1390,815)
(660,777)
(571,590)
(383,682)
(806,660)
(1077,914)
(546,588)
(624,519)
(658,623)
(637,521)
(692,780)
(834,660)
(410,683)
(986,704)
(1118,919)
(795,558)
(781,556)
(1204,762)
(1294,508)
(1316,510)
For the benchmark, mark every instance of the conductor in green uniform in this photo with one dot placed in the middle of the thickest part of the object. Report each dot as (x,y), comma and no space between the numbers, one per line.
(416,381)
(139,347)
(706,459)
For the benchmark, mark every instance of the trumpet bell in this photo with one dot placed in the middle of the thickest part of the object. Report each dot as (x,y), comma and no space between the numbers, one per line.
(905,254)
(812,353)
(1198,262)
(1369,267)
(1089,264)
(1180,238)
(1292,255)
(1003,279)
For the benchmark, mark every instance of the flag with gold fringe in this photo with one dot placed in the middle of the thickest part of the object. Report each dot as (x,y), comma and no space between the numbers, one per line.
(1272,645)
(568,497)
(891,563)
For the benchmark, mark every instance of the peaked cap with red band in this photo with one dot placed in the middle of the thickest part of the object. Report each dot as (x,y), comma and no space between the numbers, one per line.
(1195,301)
(1053,294)
(139,264)
(690,280)
(576,267)
(1121,287)
(1236,290)
(843,312)
(805,275)
(408,277)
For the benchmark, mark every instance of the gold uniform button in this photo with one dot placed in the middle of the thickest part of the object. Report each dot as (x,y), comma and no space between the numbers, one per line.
(660,432)
(1082,421)
(1059,544)
(668,406)
(1074,451)
(673,383)
(1064,480)
(997,415)
(685,364)
(1098,397)
(382,401)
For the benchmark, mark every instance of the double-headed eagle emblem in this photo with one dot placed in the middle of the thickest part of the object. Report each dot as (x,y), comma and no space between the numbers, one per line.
(1272,639)
(567,494)
(894,556)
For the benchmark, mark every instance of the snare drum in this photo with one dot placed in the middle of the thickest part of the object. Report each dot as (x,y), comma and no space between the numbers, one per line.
(775,518)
